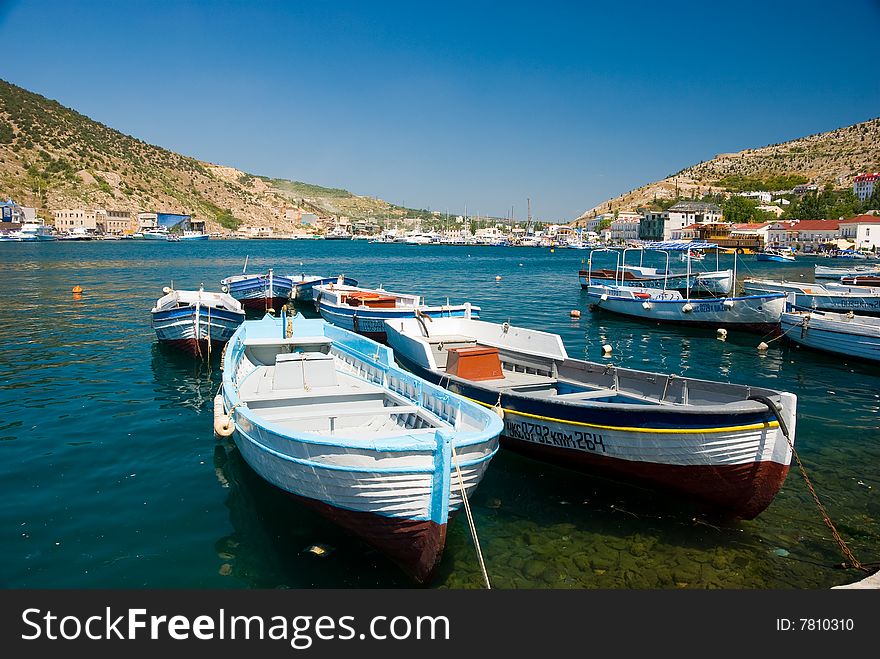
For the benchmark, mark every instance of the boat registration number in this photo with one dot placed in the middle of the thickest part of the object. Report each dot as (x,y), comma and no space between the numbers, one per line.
(542,434)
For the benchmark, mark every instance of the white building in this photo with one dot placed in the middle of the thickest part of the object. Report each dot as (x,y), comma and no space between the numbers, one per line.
(73,218)
(625,229)
(863,185)
(762,197)
(863,230)
(686,213)
(776,210)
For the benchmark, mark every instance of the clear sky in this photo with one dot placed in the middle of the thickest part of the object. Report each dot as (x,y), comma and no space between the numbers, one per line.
(443,105)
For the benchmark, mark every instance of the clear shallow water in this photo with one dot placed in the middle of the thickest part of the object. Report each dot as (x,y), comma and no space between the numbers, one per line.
(112,478)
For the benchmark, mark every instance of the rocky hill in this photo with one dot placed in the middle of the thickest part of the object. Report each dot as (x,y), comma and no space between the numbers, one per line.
(834,157)
(52,157)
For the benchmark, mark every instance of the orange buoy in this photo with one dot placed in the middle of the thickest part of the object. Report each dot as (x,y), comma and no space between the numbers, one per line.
(497,277)
(574,313)
(77,289)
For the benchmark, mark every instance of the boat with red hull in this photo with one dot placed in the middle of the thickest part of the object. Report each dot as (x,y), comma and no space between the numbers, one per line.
(195,322)
(725,447)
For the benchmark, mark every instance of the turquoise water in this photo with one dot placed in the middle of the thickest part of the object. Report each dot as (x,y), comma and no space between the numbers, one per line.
(112,477)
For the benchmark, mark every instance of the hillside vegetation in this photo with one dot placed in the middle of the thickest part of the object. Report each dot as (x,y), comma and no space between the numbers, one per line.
(828,159)
(52,157)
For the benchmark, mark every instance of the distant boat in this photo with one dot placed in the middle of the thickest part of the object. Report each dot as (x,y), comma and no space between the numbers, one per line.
(692,256)
(861,280)
(337,234)
(158,233)
(365,310)
(304,285)
(826,297)
(718,444)
(775,255)
(327,416)
(187,236)
(77,233)
(30,232)
(824,272)
(850,254)
(196,321)
(857,337)
(260,291)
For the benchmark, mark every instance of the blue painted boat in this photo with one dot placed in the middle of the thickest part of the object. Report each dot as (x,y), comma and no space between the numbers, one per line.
(196,321)
(365,310)
(846,334)
(775,256)
(718,444)
(326,416)
(262,291)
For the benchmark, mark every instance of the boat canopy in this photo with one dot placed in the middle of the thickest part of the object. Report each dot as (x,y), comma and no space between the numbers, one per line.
(680,245)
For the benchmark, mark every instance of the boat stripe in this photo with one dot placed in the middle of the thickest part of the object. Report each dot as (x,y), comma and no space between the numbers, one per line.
(668,431)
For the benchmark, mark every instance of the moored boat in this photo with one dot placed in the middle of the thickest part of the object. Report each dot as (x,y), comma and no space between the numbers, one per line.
(775,256)
(262,291)
(716,443)
(195,321)
(327,416)
(861,280)
(759,313)
(826,297)
(847,334)
(304,285)
(30,232)
(365,310)
(824,272)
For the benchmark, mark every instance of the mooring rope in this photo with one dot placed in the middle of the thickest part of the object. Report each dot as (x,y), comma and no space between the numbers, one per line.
(854,562)
(470,518)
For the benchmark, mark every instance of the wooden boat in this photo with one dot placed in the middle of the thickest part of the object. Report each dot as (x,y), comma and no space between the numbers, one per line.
(842,334)
(326,416)
(718,444)
(260,291)
(304,285)
(365,310)
(758,313)
(826,297)
(823,272)
(775,256)
(196,321)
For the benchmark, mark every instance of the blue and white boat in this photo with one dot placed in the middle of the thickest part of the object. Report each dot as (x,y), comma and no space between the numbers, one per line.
(823,272)
(721,445)
(188,236)
(846,334)
(326,416)
(260,291)
(196,321)
(304,285)
(156,233)
(828,296)
(775,255)
(30,232)
(365,310)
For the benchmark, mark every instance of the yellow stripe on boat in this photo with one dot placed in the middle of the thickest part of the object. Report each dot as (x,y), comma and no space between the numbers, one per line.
(670,431)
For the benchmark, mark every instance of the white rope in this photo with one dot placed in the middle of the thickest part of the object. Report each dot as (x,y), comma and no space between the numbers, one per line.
(470,518)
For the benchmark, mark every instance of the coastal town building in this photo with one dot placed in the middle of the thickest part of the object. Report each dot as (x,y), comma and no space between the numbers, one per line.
(685,213)
(762,197)
(110,221)
(12,213)
(653,224)
(864,184)
(771,208)
(68,219)
(690,232)
(863,231)
(751,231)
(804,188)
(812,234)
(625,227)
(147,221)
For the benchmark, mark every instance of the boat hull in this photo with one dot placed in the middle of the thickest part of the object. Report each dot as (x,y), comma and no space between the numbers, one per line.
(754,313)
(304,292)
(257,292)
(182,329)
(371,322)
(868,304)
(836,336)
(734,464)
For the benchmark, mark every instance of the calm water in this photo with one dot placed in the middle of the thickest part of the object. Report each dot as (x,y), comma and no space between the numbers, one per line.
(111,476)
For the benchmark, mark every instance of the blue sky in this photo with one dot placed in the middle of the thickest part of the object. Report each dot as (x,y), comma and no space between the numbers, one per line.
(451,104)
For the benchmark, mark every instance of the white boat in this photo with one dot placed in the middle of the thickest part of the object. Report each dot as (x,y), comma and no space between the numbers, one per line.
(847,334)
(30,232)
(684,257)
(828,296)
(327,416)
(304,285)
(365,310)
(77,233)
(158,233)
(824,272)
(187,236)
(759,313)
(196,322)
(716,443)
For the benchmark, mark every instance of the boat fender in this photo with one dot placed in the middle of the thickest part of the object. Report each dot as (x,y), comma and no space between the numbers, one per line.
(223,424)
(604,297)
(225,289)
(165,290)
(762,346)
(606,349)
(688,307)
(728,304)
(646,305)
(721,334)
(574,313)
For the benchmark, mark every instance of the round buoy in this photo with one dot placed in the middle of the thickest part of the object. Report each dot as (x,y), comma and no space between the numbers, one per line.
(721,334)
(646,305)
(762,346)
(77,289)
(552,250)
(606,349)
(520,265)
(688,307)
(498,278)
(574,313)
(166,290)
